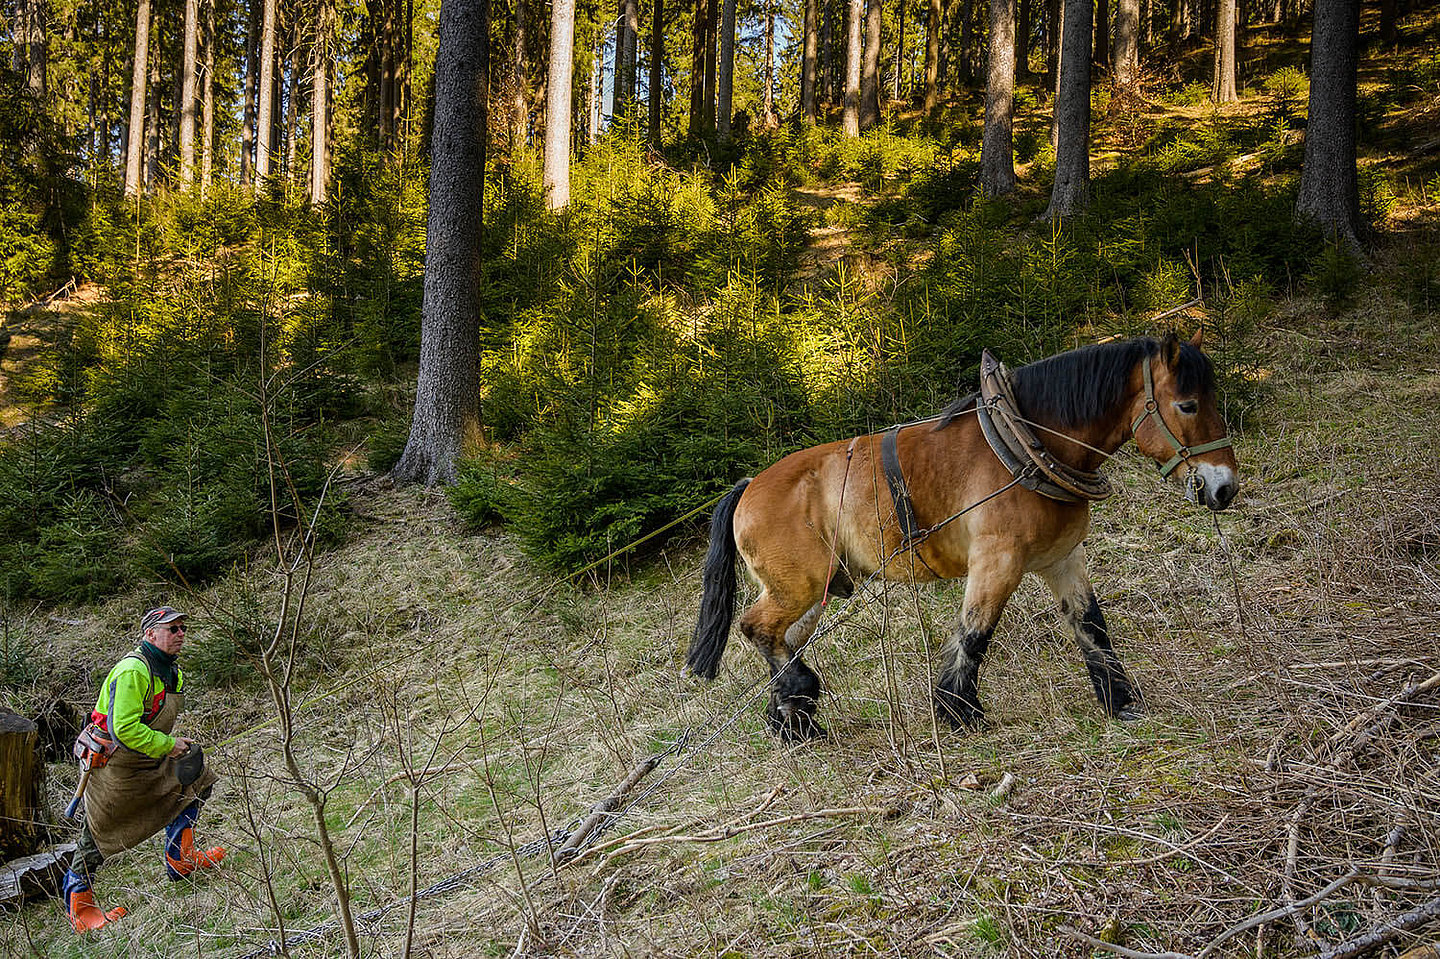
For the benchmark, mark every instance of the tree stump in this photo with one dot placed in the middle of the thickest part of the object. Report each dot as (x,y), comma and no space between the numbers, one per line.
(21,777)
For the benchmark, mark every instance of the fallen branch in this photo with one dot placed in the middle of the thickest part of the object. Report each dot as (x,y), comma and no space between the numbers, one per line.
(603,809)
(1385,933)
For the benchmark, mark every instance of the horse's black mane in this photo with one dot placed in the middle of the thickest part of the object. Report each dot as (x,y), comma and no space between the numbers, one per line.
(1073,388)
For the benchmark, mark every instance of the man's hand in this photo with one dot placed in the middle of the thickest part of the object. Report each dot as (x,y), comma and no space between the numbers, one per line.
(181,744)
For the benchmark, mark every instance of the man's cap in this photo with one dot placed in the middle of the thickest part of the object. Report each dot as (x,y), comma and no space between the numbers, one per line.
(159,617)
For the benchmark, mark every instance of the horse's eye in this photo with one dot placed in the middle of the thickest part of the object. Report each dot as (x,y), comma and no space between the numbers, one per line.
(1188,407)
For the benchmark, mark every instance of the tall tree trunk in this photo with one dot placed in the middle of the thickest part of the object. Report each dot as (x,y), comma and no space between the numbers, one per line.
(850,118)
(292,109)
(1329,188)
(252,90)
(825,67)
(597,88)
(151,176)
(967,41)
(320,103)
(630,14)
(1071,193)
(32,46)
(447,395)
(896,82)
(265,112)
(1022,41)
(1126,55)
(520,75)
(1057,42)
(140,75)
(770,120)
(1389,22)
(557,103)
(657,72)
(726,81)
(207,103)
(997,158)
(1101,62)
(808,64)
(1222,86)
(934,14)
(870,67)
(189,59)
(697,70)
(712,28)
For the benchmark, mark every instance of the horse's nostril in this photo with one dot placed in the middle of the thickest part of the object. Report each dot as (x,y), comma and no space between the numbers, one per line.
(1224,493)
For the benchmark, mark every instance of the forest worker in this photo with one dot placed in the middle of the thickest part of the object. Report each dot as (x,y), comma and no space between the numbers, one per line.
(139,789)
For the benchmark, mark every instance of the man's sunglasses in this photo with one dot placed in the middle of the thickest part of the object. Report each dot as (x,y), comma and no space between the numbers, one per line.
(176,628)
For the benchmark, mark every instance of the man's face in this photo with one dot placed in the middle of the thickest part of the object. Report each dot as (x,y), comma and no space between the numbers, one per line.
(168,638)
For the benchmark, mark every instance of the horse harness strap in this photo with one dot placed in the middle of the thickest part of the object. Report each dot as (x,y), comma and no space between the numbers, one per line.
(1182,452)
(895,479)
(1020,450)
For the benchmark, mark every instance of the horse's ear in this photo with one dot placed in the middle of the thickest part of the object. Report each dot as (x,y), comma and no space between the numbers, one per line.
(1170,348)
(1198,340)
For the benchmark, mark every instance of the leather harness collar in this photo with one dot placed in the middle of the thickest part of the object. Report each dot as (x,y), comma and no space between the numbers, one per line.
(1021,451)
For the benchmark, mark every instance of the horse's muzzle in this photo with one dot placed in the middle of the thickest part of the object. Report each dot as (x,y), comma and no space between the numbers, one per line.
(1212,485)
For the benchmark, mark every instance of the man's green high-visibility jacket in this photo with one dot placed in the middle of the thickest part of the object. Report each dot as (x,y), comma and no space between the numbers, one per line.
(130,697)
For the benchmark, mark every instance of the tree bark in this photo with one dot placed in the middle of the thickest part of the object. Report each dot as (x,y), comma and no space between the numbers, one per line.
(520,75)
(895,79)
(1125,59)
(151,175)
(1071,193)
(447,397)
(657,72)
(22,774)
(139,78)
(189,59)
(32,46)
(1329,187)
(265,112)
(935,13)
(597,86)
(252,89)
(725,85)
(870,66)
(632,53)
(712,24)
(557,103)
(997,159)
(770,121)
(808,57)
(1222,86)
(697,70)
(207,104)
(850,118)
(1022,41)
(1101,62)
(320,103)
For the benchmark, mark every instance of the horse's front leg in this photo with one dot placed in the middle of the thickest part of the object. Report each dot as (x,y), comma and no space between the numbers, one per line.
(1070,582)
(992,578)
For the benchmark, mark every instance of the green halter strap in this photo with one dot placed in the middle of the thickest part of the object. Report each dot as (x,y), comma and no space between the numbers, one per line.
(1182,452)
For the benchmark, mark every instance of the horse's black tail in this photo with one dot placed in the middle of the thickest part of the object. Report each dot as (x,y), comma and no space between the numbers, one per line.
(717,603)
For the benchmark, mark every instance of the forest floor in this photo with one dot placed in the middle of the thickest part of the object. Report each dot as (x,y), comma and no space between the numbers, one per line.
(1287,649)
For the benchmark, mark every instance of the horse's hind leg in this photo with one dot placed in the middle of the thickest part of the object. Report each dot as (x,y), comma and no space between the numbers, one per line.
(1070,583)
(780,636)
(993,577)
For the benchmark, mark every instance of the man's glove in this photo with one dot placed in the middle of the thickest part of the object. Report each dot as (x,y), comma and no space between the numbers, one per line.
(190,764)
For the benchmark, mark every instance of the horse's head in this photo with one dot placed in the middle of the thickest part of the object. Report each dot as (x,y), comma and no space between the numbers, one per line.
(1175,423)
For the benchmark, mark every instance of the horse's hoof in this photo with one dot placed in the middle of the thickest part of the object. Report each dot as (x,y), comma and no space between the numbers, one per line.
(1130,712)
(802,729)
(961,715)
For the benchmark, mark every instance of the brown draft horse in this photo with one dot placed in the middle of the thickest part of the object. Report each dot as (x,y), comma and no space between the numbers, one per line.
(822,519)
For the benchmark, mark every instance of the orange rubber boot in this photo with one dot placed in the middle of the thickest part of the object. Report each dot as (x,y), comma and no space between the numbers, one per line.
(189,858)
(84,915)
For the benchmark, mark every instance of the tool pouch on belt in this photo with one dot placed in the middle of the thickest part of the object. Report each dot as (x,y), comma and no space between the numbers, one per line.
(190,764)
(94,746)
